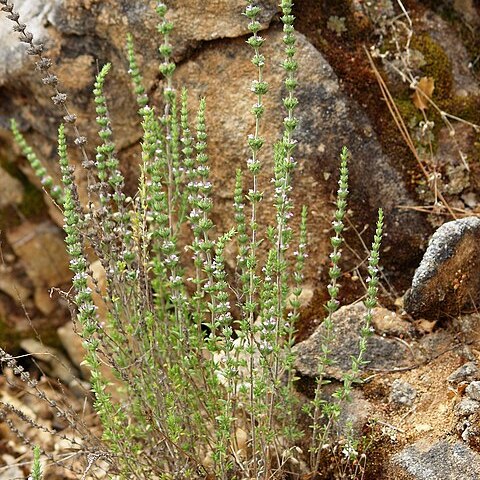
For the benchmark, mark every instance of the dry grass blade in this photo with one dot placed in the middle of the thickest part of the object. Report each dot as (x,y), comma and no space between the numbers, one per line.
(397,117)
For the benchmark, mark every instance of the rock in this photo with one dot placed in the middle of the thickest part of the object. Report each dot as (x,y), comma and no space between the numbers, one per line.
(304,298)
(54,362)
(42,251)
(332,120)
(200,21)
(12,286)
(99,288)
(382,353)
(72,343)
(448,277)
(355,414)
(473,390)
(222,72)
(44,301)
(464,81)
(467,9)
(467,372)
(102,28)
(453,163)
(441,460)
(11,188)
(11,469)
(466,407)
(389,323)
(402,393)
(32,12)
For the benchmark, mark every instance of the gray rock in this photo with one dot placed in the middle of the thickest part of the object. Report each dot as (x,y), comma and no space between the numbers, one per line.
(438,461)
(448,277)
(382,353)
(402,393)
(473,391)
(467,372)
(466,407)
(355,414)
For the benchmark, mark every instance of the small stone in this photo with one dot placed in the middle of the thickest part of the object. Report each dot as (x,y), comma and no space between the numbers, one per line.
(99,288)
(44,301)
(11,469)
(11,190)
(466,407)
(72,343)
(304,298)
(42,251)
(54,362)
(12,286)
(389,323)
(423,427)
(473,390)
(402,393)
(382,353)
(466,373)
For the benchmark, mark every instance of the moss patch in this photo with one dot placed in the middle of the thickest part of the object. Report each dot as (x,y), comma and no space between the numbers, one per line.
(437,65)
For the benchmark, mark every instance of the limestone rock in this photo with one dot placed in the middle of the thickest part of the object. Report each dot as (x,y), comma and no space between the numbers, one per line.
(11,190)
(449,275)
(440,460)
(42,251)
(382,353)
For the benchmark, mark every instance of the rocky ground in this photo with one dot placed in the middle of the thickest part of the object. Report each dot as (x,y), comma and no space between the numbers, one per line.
(419,405)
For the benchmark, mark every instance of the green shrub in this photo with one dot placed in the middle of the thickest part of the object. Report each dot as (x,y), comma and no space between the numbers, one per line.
(203,390)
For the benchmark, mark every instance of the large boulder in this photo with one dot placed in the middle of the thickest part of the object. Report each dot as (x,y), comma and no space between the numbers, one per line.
(81,34)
